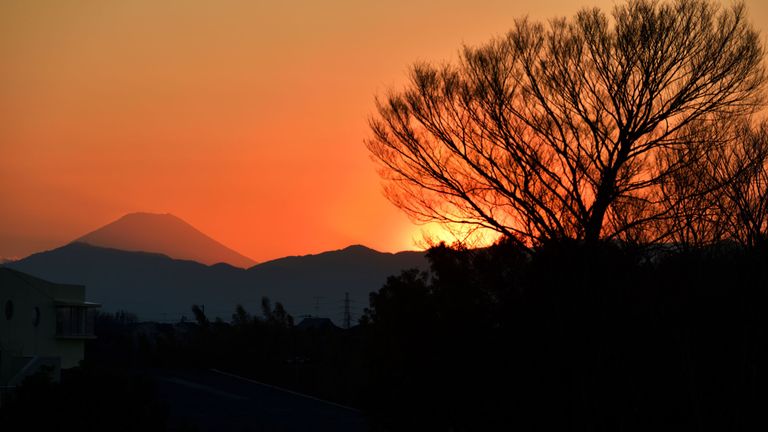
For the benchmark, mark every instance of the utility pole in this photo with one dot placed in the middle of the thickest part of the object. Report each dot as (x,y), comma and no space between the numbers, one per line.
(347,312)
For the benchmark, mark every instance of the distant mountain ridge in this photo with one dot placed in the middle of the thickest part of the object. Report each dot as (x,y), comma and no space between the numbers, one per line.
(165,234)
(158,287)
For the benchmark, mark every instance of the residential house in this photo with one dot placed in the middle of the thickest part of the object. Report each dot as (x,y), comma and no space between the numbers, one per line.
(43,326)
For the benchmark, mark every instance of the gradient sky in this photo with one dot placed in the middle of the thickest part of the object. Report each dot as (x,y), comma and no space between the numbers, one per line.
(244,118)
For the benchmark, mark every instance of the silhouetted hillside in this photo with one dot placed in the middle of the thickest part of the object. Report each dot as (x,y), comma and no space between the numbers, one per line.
(165,234)
(157,287)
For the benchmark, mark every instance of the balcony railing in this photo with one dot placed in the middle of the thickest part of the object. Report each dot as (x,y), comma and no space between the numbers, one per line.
(75,320)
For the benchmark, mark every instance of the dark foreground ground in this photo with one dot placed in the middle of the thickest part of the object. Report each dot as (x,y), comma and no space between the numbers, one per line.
(210,400)
(570,337)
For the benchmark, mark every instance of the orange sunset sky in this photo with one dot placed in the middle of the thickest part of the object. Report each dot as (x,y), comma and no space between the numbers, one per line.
(244,118)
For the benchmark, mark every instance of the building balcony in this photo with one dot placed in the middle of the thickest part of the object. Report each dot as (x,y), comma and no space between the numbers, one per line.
(75,319)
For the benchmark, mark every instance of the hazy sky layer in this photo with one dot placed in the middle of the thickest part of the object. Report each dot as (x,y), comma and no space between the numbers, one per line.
(244,118)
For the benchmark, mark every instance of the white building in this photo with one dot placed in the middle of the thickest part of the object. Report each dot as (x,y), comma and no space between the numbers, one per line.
(42,324)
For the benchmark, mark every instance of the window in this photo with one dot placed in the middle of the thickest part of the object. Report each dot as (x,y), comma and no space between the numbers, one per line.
(74,321)
(9,309)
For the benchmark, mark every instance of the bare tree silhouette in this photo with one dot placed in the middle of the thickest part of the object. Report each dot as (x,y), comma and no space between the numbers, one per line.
(692,191)
(746,197)
(721,192)
(569,129)
(738,176)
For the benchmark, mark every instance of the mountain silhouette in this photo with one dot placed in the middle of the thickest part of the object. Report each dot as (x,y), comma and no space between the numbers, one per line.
(165,234)
(157,287)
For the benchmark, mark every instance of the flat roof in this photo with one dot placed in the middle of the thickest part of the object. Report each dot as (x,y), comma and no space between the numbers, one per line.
(61,302)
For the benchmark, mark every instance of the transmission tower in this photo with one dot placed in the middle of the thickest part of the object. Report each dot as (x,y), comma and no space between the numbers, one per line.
(317,305)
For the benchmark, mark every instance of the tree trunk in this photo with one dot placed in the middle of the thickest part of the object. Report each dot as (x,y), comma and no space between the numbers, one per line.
(595,223)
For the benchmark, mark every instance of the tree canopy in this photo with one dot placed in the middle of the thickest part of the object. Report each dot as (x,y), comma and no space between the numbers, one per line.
(574,128)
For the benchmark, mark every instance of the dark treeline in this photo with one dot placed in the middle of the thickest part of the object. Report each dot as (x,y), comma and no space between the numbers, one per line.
(573,337)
